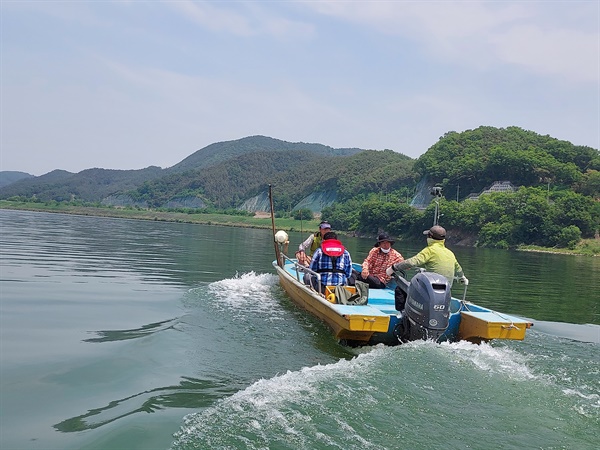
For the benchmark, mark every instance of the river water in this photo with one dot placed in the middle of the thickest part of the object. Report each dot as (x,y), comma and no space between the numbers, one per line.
(123,334)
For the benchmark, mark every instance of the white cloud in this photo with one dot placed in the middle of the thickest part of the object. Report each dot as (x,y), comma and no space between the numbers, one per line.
(545,38)
(570,54)
(251,20)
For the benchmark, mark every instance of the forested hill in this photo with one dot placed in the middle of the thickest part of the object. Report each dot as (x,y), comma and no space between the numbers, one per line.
(470,161)
(220,152)
(553,198)
(259,158)
(294,175)
(90,185)
(8,177)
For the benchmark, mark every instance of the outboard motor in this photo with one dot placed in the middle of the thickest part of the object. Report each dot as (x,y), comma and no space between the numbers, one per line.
(427,311)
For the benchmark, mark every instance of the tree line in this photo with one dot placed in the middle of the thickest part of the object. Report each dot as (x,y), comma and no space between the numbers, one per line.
(531,215)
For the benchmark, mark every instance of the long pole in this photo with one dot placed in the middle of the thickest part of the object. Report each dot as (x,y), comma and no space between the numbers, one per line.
(277,255)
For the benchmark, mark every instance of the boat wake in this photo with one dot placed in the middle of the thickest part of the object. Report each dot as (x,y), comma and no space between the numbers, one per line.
(242,295)
(583,333)
(299,409)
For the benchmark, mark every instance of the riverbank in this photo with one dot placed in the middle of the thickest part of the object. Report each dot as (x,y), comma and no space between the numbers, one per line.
(256,221)
(587,247)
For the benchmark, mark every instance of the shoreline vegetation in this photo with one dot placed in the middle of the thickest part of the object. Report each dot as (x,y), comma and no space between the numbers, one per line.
(587,247)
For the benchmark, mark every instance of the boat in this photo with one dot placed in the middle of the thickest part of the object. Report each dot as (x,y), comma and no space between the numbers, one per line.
(428,310)
(379,322)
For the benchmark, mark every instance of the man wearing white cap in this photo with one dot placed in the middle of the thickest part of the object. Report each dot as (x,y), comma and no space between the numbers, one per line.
(308,247)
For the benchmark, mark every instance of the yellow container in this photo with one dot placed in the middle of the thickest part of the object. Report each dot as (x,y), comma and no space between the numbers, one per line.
(486,325)
(330,292)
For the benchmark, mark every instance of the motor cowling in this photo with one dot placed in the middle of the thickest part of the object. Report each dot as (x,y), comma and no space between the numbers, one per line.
(427,306)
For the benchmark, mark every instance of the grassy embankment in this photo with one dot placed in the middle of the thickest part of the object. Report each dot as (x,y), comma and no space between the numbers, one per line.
(589,247)
(164,216)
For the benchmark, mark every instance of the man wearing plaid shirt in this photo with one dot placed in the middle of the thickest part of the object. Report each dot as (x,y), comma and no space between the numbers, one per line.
(334,270)
(379,259)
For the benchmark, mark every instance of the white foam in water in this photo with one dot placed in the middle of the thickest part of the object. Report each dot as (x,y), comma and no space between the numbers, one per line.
(315,407)
(492,359)
(279,403)
(243,294)
(591,405)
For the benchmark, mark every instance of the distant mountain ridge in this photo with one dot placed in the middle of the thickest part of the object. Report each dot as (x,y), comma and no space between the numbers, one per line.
(219,152)
(10,176)
(236,174)
(90,185)
(244,165)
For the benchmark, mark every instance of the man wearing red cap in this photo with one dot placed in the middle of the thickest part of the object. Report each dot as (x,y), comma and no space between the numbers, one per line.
(332,261)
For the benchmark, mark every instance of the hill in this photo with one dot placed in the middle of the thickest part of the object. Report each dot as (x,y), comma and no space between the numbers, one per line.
(235,174)
(8,177)
(468,162)
(295,175)
(219,152)
(221,175)
(90,185)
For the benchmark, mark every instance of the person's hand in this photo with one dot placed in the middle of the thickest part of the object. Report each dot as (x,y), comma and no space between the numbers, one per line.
(302,258)
(365,273)
(464,280)
(390,270)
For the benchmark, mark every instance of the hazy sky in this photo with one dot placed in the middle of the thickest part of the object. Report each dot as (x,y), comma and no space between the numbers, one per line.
(129,84)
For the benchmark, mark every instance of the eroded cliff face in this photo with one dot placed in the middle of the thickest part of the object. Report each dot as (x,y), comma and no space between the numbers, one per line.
(123,200)
(185,202)
(315,202)
(259,202)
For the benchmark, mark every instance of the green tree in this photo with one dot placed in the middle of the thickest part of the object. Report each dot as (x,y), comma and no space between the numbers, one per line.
(569,237)
(302,214)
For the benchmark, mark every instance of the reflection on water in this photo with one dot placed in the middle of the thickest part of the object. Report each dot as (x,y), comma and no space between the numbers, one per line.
(121,335)
(190,393)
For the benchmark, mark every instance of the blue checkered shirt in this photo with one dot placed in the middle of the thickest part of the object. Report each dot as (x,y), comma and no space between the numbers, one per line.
(323,264)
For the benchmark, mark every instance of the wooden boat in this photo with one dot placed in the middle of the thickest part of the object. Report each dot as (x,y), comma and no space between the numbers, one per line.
(378,321)
(427,309)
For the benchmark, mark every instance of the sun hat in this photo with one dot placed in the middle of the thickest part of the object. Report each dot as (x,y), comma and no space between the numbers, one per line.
(436,232)
(383,237)
(324,225)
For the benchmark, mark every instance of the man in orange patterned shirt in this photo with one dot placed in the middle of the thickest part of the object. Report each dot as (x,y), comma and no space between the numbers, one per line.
(379,259)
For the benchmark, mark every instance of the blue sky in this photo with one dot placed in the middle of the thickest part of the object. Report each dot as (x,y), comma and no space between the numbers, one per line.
(129,84)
